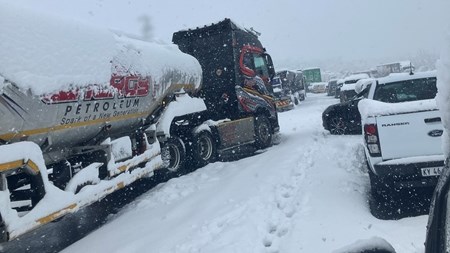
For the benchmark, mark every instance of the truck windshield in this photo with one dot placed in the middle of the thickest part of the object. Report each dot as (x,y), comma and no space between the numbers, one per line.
(409,90)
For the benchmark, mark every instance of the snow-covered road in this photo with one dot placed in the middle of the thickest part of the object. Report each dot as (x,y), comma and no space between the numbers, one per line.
(306,194)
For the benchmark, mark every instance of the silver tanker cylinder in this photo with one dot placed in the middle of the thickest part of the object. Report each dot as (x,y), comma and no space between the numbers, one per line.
(89,84)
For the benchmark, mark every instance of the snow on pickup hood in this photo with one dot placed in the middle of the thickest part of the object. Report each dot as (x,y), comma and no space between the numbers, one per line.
(46,53)
(372,108)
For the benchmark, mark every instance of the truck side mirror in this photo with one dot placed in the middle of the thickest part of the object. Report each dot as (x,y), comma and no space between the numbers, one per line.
(270,66)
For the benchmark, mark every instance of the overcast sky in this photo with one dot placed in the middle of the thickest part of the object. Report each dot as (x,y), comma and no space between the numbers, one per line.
(295,32)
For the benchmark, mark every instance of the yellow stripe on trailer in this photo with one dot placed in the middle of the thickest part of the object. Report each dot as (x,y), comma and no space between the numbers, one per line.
(55,215)
(18,164)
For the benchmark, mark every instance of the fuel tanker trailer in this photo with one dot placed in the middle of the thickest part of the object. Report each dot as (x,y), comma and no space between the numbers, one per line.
(85,111)
(78,106)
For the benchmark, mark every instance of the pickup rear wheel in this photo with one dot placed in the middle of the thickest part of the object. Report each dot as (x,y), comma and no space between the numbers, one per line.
(204,149)
(338,126)
(174,156)
(263,134)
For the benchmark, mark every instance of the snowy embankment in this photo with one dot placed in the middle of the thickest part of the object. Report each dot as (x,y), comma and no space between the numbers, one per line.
(307,194)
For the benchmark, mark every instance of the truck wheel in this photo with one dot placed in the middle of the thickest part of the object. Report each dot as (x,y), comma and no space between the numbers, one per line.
(204,149)
(337,126)
(263,135)
(174,156)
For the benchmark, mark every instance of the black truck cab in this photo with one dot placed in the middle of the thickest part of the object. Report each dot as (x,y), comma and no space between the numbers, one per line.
(233,62)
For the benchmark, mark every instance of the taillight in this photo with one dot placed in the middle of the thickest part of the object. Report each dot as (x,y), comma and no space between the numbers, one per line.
(372,140)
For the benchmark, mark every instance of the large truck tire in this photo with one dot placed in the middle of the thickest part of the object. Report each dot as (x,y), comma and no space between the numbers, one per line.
(263,132)
(204,149)
(174,154)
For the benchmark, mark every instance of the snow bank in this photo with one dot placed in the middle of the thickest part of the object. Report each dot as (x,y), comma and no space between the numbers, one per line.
(371,108)
(374,244)
(49,53)
(443,95)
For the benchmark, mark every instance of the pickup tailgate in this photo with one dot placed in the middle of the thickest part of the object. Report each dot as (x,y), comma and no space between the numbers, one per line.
(410,134)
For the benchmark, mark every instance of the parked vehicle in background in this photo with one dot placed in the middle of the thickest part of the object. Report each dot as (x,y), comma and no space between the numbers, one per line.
(293,84)
(299,90)
(320,87)
(345,118)
(394,67)
(283,101)
(339,84)
(347,90)
(405,110)
(332,86)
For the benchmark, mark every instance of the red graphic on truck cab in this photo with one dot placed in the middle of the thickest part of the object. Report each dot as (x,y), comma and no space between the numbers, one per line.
(120,86)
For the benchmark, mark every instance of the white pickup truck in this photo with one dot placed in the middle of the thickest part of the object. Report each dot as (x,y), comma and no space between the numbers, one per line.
(402,134)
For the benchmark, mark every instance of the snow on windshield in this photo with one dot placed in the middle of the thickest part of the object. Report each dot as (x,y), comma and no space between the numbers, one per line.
(47,53)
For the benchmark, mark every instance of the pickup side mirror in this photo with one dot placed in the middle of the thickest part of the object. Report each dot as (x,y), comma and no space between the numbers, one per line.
(371,245)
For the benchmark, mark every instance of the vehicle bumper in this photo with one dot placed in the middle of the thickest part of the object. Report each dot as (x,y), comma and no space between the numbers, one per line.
(407,175)
(284,105)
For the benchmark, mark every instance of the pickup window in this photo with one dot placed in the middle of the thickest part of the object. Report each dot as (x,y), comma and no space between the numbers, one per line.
(409,90)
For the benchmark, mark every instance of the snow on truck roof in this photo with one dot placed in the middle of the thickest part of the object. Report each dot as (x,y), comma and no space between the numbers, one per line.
(46,53)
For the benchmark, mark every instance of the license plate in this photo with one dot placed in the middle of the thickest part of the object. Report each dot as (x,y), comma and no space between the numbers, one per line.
(431,171)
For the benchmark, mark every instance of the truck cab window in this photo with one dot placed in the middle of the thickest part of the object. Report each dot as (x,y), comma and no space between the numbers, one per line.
(260,65)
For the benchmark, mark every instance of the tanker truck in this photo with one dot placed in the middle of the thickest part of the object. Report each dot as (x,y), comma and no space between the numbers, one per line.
(85,111)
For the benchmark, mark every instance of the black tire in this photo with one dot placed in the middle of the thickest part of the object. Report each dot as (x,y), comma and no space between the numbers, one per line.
(263,132)
(383,201)
(204,149)
(338,126)
(174,155)
(295,100)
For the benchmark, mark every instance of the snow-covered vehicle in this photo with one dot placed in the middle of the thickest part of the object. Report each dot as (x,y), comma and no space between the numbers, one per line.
(339,84)
(320,87)
(347,90)
(283,101)
(394,67)
(293,84)
(402,135)
(80,122)
(344,118)
(332,86)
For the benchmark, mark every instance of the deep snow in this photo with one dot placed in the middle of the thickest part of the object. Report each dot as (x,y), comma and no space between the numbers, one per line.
(306,194)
